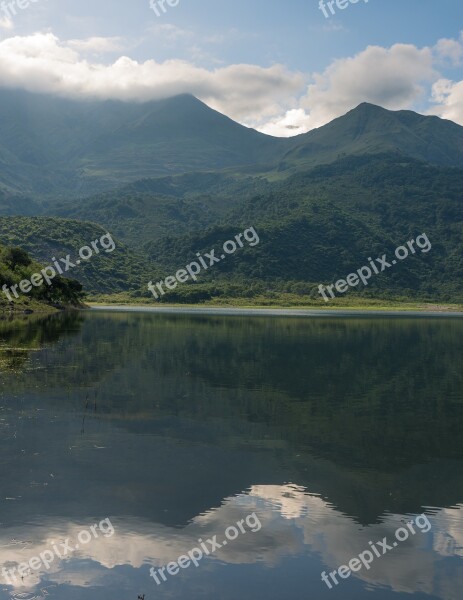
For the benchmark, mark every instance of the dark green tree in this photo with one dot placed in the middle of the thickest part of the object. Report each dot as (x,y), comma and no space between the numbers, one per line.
(17,257)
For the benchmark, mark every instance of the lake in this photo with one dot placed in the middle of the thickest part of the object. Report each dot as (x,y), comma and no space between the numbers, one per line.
(303,443)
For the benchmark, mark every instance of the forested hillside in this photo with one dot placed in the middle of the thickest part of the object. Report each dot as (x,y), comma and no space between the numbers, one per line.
(323,203)
(17,266)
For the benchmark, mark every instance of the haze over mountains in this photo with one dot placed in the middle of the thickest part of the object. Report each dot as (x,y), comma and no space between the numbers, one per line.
(173,177)
(51,146)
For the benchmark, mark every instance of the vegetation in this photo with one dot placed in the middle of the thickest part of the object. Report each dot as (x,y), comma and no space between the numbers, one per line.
(46,238)
(322,204)
(15,266)
(96,146)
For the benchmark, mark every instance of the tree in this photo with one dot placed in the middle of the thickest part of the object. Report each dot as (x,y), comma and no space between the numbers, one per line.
(17,257)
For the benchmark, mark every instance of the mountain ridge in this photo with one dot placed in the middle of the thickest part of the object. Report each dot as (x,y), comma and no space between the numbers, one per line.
(372,129)
(52,146)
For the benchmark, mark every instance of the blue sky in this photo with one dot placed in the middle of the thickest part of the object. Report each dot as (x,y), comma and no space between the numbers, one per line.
(282,68)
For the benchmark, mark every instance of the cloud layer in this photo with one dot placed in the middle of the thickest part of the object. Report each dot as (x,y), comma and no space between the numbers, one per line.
(272,99)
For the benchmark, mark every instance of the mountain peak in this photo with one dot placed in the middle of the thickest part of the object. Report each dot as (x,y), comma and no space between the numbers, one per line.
(368,106)
(372,129)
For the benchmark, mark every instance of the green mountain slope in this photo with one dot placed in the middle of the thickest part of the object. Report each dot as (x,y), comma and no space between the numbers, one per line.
(46,238)
(50,145)
(320,226)
(17,267)
(370,129)
(315,227)
(151,208)
(356,188)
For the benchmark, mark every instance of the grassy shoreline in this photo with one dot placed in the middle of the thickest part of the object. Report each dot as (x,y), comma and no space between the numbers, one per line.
(245,303)
(26,307)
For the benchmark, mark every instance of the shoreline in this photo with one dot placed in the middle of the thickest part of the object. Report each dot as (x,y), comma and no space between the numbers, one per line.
(431,311)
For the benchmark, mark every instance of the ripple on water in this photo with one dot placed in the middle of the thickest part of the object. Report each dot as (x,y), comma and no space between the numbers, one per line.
(26,596)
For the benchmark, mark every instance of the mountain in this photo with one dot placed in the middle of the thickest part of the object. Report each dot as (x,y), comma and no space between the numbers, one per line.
(370,129)
(319,226)
(322,202)
(145,210)
(51,145)
(315,227)
(148,209)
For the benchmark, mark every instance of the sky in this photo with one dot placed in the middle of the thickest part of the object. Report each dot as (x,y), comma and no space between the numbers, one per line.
(282,68)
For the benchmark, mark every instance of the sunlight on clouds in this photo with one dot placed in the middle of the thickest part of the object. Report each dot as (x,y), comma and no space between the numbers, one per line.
(294,122)
(448,96)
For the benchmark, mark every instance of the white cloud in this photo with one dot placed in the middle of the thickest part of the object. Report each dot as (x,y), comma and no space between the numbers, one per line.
(448,96)
(392,78)
(98,44)
(294,122)
(449,49)
(273,99)
(42,63)
(169,31)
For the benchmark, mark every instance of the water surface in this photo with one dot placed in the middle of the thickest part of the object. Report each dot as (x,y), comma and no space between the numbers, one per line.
(334,431)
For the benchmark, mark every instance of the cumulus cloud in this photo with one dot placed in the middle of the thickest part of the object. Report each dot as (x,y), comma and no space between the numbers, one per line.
(41,63)
(449,50)
(392,78)
(274,99)
(448,96)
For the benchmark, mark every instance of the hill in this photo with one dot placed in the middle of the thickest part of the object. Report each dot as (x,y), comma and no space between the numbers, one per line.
(315,227)
(320,226)
(370,129)
(151,208)
(17,267)
(46,238)
(51,145)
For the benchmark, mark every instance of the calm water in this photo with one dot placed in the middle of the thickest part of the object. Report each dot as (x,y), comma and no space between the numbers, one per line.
(333,431)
